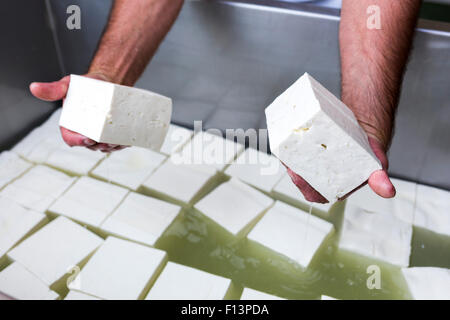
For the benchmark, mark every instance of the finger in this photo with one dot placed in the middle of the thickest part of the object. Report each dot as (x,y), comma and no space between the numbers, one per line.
(381,184)
(305,188)
(75,139)
(50,91)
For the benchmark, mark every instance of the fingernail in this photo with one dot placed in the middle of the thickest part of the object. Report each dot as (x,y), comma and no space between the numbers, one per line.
(89,142)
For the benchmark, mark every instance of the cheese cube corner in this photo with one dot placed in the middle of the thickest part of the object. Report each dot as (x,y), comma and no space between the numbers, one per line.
(11,167)
(252,294)
(428,283)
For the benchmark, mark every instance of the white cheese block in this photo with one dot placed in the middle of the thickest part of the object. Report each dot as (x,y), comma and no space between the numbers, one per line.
(401,206)
(19,283)
(120,270)
(291,232)
(208,149)
(179,183)
(428,283)
(52,251)
(379,236)
(89,201)
(235,206)
(318,137)
(251,294)
(11,167)
(15,223)
(285,190)
(111,113)
(38,188)
(433,209)
(141,219)
(257,169)
(78,161)
(324,297)
(129,167)
(75,295)
(178,282)
(176,138)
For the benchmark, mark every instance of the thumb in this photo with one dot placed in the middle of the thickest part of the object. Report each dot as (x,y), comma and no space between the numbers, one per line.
(379,180)
(50,91)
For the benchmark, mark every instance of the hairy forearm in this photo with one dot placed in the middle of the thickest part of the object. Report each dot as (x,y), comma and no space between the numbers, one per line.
(134,32)
(373,61)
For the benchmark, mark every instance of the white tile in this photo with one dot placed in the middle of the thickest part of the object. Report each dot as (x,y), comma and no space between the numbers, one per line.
(176,138)
(251,294)
(75,295)
(76,160)
(178,282)
(428,283)
(120,270)
(11,167)
(234,205)
(56,248)
(89,201)
(291,232)
(129,167)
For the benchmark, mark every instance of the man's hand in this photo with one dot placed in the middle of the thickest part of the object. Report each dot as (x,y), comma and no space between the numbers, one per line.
(54,91)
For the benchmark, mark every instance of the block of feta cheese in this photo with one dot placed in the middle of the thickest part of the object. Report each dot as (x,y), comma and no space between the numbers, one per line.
(380,235)
(235,206)
(89,201)
(141,219)
(257,168)
(116,114)
(120,270)
(19,283)
(318,137)
(208,149)
(55,249)
(76,161)
(11,167)
(286,191)
(179,183)
(178,282)
(129,167)
(252,294)
(401,206)
(291,232)
(432,209)
(176,138)
(324,297)
(75,295)
(16,223)
(38,188)
(428,283)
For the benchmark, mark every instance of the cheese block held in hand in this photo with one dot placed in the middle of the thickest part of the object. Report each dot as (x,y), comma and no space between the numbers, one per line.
(318,137)
(111,113)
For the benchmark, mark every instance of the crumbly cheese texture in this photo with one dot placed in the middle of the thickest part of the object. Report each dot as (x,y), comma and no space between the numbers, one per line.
(19,283)
(235,206)
(55,249)
(178,282)
(141,219)
(15,223)
(291,232)
(129,167)
(176,138)
(252,294)
(89,201)
(38,188)
(120,270)
(257,169)
(433,209)
(428,283)
(380,235)
(116,114)
(11,167)
(318,137)
(75,295)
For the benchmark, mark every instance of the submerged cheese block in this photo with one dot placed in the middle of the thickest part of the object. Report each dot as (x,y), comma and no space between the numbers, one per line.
(11,167)
(38,188)
(318,137)
(176,138)
(19,283)
(251,294)
(111,113)
(257,169)
(16,222)
(75,295)
(89,201)
(179,183)
(55,249)
(433,209)
(428,283)
(141,219)
(235,206)
(78,161)
(120,270)
(178,282)
(379,236)
(291,232)
(129,167)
